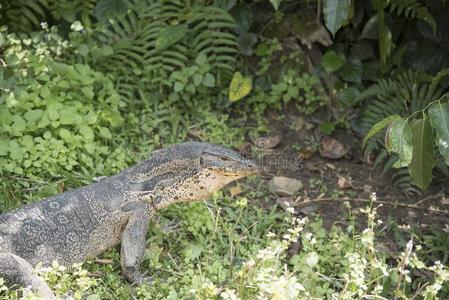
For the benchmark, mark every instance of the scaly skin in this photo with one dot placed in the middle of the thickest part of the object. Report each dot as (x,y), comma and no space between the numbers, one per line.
(83,223)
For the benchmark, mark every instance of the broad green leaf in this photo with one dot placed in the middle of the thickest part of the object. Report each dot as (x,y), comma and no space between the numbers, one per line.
(70,116)
(18,126)
(197,79)
(423,159)
(335,13)
(240,87)
(4,146)
(87,133)
(201,59)
(332,61)
(209,80)
(33,115)
(439,119)
(105,133)
(379,126)
(169,36)
(66,135)
(398,139)
(5,115)
(179,86)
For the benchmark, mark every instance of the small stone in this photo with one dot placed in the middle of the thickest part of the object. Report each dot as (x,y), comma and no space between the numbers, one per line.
(333,149)
(344,183)
(285,186)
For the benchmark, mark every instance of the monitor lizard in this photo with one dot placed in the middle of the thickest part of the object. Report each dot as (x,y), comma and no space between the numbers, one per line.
(82,223)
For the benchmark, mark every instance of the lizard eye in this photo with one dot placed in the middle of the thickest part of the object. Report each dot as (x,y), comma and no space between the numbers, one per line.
(224,158)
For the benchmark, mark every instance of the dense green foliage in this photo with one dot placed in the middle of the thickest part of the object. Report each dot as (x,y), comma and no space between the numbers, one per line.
(90,87)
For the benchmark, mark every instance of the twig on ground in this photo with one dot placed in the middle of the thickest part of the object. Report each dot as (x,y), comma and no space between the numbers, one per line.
(429,198)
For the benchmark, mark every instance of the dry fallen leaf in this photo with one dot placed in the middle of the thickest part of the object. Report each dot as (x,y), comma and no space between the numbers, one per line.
(331,148)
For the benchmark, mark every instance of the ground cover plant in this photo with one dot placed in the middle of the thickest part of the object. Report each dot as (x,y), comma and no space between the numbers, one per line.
(309,88)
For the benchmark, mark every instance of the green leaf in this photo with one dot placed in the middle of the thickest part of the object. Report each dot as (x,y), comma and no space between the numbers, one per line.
(201,59)
(423,159)
(66,135)
(332,61)
(70,116)
(197,79)
(105,133)
(209,80)
(335,13)
(327,127)
(379,126)
(240,87)
(439,119)
(169,36)
(18,126)
(398,139)
(178,87)
(33,115)
(87,133)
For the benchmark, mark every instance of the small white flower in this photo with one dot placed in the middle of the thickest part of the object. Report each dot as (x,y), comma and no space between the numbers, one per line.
(229,294)
(77,26)
(312,259)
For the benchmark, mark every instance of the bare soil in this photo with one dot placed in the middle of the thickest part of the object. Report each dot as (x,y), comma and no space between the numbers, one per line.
(321,193)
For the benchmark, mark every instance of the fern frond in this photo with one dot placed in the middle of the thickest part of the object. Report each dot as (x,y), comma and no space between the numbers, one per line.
(25,15)
(412,9)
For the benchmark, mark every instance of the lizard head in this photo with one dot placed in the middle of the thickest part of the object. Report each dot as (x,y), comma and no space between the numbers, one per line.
(188,172)
(225,162)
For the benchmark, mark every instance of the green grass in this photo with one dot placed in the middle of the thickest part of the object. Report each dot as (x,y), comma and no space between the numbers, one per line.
(231,247)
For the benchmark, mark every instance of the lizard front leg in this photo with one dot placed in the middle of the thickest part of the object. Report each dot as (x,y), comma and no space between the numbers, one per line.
(16,270)
(133,247)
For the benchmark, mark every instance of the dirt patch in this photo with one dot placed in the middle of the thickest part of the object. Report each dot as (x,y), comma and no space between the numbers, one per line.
(297,156)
